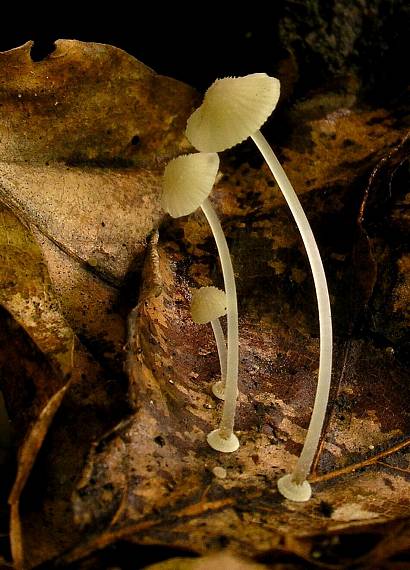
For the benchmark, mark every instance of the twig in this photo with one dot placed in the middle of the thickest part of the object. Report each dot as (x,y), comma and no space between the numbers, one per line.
(394,467)
(355,466)
(101,541)
(330,410)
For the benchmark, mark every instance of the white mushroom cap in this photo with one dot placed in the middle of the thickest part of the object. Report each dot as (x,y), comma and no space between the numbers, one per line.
(208,304)
(233,109)
(187,182)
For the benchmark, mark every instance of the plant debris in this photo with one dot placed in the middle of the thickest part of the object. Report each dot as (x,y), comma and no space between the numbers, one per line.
(107,380)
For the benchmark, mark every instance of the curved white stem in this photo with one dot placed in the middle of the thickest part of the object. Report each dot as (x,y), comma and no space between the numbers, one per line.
(219,387)
(223,439)
(305,460)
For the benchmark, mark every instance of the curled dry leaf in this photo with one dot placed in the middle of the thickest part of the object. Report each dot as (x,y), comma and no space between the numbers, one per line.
(34,387)
(148,479)
(162,474)
(84,134)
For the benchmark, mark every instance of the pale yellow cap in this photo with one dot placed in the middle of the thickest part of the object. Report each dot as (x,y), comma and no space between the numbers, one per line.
(187,182)
(233,109)
(208,304)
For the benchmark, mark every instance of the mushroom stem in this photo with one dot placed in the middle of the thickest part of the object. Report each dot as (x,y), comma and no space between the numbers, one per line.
(223,438)
(305,460)
(218,388)
(208,304)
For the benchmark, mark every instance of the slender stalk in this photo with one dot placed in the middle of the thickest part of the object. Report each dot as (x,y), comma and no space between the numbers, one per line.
(305,460)
(231,389)
(219,387)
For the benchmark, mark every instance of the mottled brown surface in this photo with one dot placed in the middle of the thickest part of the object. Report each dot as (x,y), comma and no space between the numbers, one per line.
(125,470)
(162,464)
(83,135)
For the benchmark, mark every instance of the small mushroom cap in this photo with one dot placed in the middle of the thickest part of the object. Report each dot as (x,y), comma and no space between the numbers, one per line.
(233,109)
(208,304)
(187,182)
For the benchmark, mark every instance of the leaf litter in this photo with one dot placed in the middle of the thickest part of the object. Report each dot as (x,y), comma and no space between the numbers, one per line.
(125,459)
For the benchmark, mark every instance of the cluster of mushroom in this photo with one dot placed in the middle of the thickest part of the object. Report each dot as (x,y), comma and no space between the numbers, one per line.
(234,109)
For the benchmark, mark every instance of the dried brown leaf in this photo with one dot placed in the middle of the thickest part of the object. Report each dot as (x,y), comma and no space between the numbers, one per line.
(223,560)
(26,293)
(361,475)
(84,134)
(150,478)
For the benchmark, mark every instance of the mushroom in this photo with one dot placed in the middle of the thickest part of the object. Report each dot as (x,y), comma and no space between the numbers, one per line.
(234,109)
(187,183)
(208,304)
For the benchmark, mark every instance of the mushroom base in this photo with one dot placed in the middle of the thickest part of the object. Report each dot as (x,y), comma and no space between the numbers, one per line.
(292,491)
(216,441)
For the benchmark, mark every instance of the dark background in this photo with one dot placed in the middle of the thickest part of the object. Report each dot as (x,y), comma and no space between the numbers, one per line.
(193,45)
(312,42)
(309,44)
